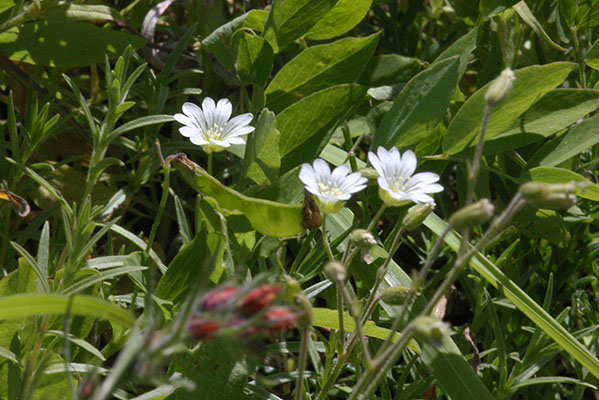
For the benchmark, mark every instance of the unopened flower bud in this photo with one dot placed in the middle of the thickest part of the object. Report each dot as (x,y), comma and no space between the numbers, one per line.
(500,87)
(416,215)
(362,238)
(218,298)
(553,196)
(396,295)
(336,271)
(431,329)
(369,173)
(279,319)
(292,288)
(201,328)
(258,298)
(304,320)
(472,215)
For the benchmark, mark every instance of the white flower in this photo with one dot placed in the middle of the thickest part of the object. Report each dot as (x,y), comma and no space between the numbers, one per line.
(397,183)
(331,189)
(210,126)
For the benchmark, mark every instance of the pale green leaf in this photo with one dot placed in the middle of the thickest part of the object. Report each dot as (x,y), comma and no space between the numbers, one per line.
(530,85)
(340,19)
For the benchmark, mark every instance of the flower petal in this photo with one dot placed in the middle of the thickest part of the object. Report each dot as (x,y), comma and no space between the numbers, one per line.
(339,173)
(189,131)
(197,139)
(183,119)
(376,163)
(307,175)
(323,172)
(224,108)
(408,162)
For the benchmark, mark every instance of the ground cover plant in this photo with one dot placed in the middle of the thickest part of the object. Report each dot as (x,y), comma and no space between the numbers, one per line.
(299,199)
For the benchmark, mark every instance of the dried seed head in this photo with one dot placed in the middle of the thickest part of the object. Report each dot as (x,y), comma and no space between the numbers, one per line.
(336,271)
(362,238)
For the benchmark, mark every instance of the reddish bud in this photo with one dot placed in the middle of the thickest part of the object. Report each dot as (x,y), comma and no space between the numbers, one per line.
(218,298)
(201,328)
(258,298)
(279,319)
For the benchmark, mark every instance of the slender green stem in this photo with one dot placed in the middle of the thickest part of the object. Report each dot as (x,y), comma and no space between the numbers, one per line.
(376,218)
(475,168)
(355,313)
(338,296)
(303,359)
(209,166)
(380,276)
(579,57)
(325,239)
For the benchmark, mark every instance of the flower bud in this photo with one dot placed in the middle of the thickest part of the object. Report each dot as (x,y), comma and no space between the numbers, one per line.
(472,215)
(416,215)
(336,271)
(279,319)
(369,173)
(304,320)
(500,87)
(201,328)
(292,288)
(431,329)
(362,238)
(218,298)
(258,298)
(396,295)
(553,196)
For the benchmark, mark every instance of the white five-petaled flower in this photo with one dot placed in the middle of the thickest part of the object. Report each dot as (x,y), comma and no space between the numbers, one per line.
(397,183)
(331,189)
(210,126)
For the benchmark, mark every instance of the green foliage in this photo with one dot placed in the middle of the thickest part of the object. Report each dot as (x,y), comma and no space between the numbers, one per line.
(114,226)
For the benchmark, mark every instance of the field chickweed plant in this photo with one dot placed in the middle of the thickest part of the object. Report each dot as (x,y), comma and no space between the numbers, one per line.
(299,199)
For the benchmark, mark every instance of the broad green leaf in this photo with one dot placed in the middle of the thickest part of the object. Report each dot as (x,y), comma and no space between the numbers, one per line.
(389,69)
(578,138)
(81,12)
(489,8)
(464,45)
(193,261)
(521,300)
(340,19)
(529,19)
(262,160)
(555,111)
(64,44)
(327,318)
(288,20)
(530,85)
(588,190)
(307,125)
(220,42)
(24,305)
(6,4)
(419,106)
(255,59)
(319,67)
(267,217)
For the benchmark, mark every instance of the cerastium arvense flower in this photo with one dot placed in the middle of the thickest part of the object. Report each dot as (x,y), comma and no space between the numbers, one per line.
(398,185)
(210,126)
(332,189)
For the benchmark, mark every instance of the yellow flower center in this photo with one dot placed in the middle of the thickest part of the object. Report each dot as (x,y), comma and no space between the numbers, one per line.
(329,188)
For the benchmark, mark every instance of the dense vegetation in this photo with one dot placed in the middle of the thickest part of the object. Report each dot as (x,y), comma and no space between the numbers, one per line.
(206,199)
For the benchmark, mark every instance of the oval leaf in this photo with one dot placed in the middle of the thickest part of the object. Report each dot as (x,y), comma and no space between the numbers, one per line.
(319,67)
(530,85)
(267,217)
(64,44)
(588,190)
(419,106)
(340,19)
(307,125)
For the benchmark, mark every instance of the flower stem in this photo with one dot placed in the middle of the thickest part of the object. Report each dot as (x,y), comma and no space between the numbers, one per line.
(303,358)
(339,297)
(209,166)
(475,168)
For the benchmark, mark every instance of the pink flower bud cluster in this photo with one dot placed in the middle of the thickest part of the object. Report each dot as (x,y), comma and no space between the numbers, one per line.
(228,309)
